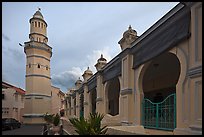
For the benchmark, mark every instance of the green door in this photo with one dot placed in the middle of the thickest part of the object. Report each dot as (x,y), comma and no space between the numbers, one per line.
(160,115)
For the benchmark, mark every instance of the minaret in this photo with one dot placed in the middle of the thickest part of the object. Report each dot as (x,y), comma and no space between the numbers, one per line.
(38,81)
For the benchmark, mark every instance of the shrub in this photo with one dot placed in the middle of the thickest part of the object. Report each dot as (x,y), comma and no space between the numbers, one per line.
(56,119)
(92,126)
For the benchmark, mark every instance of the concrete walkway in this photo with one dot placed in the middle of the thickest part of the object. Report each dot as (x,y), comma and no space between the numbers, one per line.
(68,128)
(157,132)
(126,130)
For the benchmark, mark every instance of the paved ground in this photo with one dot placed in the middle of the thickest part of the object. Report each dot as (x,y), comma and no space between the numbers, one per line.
(69,128)
(25,130)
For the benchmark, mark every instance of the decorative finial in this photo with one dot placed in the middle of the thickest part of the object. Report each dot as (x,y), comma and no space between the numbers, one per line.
(130,27)
(88,68)
(101,55)
(79,78)
(39,8)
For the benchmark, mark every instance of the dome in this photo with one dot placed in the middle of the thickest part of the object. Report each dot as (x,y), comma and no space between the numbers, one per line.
(38,14)
(101,59)
(78,81)
(88,71)
(130,31)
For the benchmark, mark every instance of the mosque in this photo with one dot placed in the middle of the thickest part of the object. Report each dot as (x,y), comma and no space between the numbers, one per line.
(155,82)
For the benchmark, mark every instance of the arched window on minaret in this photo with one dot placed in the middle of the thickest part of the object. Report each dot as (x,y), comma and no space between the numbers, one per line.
(35,24)
(32,23)
(38,65)
(46,67)
(41,25)
(29,65)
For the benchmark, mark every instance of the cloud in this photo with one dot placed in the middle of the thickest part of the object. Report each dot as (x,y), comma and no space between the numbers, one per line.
(66,79)
(5,37)
(95,55)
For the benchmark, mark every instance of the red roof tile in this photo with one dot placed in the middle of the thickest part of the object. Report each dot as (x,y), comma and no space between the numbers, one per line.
(19,90)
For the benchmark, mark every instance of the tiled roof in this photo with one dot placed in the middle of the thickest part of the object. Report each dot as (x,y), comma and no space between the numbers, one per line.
(19,90)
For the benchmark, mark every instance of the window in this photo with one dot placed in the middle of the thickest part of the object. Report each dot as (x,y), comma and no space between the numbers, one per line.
(38,65)
(16,97)
(39,24)
(29,65)
(46,67)
(51,93)
(39,40)
(21,98)
(3,96)
(35,24)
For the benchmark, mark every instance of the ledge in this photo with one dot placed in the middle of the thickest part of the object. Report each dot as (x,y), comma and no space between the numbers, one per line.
(126,91)
(37,75)
(85,103)
(195,72)
(99,99)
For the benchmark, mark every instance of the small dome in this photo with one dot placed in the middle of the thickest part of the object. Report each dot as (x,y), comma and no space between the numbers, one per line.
(130,31)
(79,81)
(88,71)
(101,59)
(38,14)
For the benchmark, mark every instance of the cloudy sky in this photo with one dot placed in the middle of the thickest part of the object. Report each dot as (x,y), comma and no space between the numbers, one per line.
(78,33)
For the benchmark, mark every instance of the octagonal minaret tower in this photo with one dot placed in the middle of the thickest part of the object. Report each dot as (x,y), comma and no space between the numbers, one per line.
(38,80)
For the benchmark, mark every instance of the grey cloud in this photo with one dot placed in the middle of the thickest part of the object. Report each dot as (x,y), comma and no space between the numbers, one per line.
(13,53)
(66,79)
(5,37)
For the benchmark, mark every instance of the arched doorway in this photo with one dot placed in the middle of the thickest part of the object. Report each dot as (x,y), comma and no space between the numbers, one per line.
(81,105)
(93,100)
(74,106)
(112,94)
(159,89)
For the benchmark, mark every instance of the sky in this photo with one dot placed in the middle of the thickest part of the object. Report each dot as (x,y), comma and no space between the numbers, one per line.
(78,32)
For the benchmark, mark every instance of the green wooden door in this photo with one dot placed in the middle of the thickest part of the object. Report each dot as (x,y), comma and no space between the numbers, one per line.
(160,115)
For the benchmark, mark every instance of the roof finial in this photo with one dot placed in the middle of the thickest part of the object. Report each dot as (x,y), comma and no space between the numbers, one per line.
(130,27)
(88,68)
(39,8)
(101,55)
(79,78)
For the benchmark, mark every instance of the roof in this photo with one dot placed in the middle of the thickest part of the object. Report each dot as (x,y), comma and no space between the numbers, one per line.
(38,14)
(18,90)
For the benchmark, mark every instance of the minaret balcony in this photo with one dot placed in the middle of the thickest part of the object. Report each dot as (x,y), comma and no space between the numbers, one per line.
(37,45)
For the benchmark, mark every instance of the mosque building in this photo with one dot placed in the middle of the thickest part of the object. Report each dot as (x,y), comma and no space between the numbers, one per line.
(155,82)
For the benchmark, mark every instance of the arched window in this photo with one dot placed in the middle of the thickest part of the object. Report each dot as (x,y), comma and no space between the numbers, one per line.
(39,40)
(35,24)
(29,65)
(39,24)
(32,23)
(46,67)
(38,65)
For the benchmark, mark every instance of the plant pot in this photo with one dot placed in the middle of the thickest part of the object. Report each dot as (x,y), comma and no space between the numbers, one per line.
(56,129)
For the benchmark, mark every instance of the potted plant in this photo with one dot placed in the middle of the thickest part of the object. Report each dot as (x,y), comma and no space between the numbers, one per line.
(48,118)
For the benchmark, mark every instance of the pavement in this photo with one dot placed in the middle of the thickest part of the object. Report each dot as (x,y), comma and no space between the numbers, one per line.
(68,128)
(25,129)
